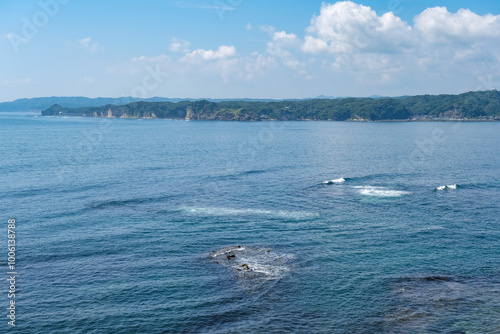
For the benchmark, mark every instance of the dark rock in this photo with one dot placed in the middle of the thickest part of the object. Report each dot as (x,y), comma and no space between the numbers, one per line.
(436,278)
(231,256)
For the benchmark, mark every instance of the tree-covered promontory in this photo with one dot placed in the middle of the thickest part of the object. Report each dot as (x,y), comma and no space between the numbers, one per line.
(484,105)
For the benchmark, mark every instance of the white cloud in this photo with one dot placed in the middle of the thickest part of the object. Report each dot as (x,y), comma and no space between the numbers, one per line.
(256,65)
(346,27)
(438,25)
(223,52)
(267,29)
(223,63)
(281,41)
(179,45)
(314,45)
(348,49)
(352,38)
(283,46)
(86,44)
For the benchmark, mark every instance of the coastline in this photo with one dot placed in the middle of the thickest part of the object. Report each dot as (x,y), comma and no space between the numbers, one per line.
(472,120)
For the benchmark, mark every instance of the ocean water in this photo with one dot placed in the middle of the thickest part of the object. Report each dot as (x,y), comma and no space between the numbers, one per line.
(159,226)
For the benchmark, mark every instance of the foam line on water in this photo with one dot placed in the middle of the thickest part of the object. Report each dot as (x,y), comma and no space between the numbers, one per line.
(380,191)
(215,211)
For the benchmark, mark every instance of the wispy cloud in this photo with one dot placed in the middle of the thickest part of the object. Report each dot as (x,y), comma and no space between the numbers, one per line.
(179,45)
(86,44)
(201,5)
(17,82)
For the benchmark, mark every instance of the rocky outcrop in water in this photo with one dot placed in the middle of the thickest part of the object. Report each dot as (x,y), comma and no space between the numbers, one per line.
(253,261)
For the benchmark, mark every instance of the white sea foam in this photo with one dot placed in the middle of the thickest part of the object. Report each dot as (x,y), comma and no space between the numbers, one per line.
(253,262)
(213,211)
(450,187)
(227,251)
(381,192)
(341,180)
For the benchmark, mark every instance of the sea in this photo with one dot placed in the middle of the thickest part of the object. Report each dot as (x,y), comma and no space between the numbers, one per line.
(170,226)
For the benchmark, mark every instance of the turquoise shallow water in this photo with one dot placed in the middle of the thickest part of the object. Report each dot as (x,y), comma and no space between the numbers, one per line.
(130,226)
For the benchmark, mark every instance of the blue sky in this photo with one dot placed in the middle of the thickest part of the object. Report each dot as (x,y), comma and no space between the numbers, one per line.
(243,48)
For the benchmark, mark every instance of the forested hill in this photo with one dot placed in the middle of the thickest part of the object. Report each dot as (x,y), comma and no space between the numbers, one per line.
(483,105)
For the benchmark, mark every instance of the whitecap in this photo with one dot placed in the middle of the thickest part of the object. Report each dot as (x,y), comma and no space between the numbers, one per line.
(341,180)
(450,187)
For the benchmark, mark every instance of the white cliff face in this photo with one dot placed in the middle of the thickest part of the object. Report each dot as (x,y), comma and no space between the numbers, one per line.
(189,113)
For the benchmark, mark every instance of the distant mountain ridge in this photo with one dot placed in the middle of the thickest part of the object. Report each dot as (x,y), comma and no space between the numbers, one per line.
(42,103)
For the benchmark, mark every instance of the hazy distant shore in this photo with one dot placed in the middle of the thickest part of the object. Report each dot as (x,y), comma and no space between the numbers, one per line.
(472,106)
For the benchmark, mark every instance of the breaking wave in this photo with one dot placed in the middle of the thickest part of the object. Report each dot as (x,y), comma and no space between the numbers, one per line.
(341,180)
(450,187)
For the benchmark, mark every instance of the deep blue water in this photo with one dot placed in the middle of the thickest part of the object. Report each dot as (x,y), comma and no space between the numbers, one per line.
(129,226)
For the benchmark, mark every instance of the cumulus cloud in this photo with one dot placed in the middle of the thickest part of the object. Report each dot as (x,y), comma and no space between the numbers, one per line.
(346,27)
(223,52)
(283,46)
(281,41)
(350,45)
(354,38)
(438,25)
